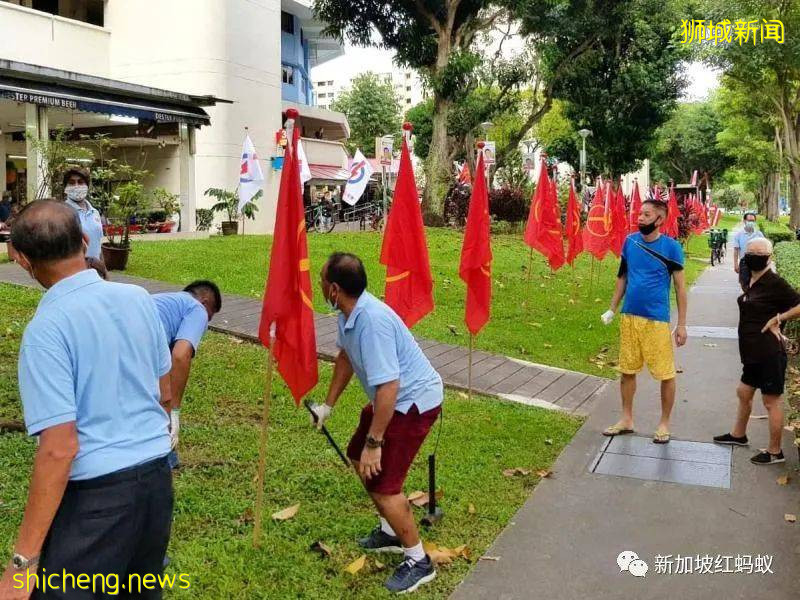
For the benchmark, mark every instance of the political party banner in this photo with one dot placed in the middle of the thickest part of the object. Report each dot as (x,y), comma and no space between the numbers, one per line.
(360,172)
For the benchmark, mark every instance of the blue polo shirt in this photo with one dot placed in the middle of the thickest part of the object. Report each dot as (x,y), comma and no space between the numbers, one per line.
(93,354)
(183,317)
(91,225)
(742,238)
(648,267)
(381,349)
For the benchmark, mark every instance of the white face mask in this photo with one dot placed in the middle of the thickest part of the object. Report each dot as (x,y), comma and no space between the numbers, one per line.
(77,193)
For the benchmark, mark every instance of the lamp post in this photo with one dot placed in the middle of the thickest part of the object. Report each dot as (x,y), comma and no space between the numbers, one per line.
(584,133)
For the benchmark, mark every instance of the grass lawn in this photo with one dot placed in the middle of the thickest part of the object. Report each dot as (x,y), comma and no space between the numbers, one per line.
(211,540)
(547,318)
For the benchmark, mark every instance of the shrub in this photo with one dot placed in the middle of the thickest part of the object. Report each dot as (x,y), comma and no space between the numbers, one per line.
(456,205)
(205,217)
(776,232)
(509,204)
(431,219)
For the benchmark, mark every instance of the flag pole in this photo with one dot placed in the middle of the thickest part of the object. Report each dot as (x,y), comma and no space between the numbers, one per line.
(530,264)
(469,368)
(262,453)
(591,279)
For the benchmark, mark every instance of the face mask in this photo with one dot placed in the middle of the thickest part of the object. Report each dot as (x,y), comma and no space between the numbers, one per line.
(648,229)
(749,226)
(76,193)
(756,262)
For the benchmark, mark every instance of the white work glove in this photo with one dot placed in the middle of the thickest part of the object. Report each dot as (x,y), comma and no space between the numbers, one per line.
(607,317)
(322,411)
(174,426)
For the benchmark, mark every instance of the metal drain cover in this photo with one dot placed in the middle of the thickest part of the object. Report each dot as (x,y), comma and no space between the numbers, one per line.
(689,463)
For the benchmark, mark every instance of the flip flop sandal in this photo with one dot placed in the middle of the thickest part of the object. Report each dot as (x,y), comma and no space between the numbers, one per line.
(661,437)
(617,430)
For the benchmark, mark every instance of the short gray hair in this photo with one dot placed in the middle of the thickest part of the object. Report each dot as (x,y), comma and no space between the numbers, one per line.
(766,242)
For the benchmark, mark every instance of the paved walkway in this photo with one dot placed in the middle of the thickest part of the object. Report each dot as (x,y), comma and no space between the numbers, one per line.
(492,374)
(564,542)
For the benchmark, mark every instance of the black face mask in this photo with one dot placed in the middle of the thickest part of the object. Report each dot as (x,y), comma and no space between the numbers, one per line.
(756,262)
(648,229)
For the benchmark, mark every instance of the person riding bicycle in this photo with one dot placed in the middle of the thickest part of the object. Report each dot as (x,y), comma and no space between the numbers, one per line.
(748,232)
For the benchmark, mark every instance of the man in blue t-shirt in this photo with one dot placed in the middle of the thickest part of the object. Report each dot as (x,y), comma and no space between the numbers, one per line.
(185,316)
(649,262)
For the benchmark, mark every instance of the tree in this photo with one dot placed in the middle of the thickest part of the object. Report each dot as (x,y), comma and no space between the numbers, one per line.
(688,142)
(372,110)
(767,70)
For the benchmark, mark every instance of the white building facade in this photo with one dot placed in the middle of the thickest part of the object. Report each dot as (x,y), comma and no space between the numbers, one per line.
(407,84)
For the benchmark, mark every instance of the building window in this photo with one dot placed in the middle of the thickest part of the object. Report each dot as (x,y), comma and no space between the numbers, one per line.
(408,75)
(408,88)
(330,83)
(408,100)
(320,84)
(287,74)
(287,22)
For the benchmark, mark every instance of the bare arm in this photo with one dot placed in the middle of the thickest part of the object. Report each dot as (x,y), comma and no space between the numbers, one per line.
(736,258)
(619,292)
(165,387)
(342,373)
(679,278)
(179,374)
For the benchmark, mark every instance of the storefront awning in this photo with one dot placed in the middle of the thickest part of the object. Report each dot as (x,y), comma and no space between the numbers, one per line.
(32,84)
(323,173)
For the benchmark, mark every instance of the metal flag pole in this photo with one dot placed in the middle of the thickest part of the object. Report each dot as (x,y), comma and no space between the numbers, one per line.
(469,367)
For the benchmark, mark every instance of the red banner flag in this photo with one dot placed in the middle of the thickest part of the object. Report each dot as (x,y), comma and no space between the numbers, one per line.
(464,176)
(619,221)
(636,208)
(543,232)
(596,232)
(535,214)
(574,238)
(670,226)
(409,285)
(287,297)
(704,217)
(476,254)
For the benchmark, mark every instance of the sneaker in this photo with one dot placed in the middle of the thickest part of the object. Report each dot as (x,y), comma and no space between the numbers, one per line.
(767,458)
(411,574)
(731,440)
(380,541)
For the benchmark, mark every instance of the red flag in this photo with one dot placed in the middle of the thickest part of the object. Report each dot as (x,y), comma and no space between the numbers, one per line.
(476,254)
(409,285)
(704,217)
(670,226)
(464,176)
(287,297)
(636,208)
(543,231)
(596,232)
(619,221)
(574,238)
(535,214)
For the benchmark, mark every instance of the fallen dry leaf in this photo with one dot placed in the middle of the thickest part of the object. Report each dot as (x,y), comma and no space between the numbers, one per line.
(463,395)
(463,551)
(422,498)
(710,345)
(471,509)
(544,473)
(548,345)
(571,301)
(790,518)
(783,479)
(379,566)
(494,558)
(453,329)
(516,471)
(322,549)
(286,513)
(417,495)
(535,324)
(549,442)
(355,566)
(237,340)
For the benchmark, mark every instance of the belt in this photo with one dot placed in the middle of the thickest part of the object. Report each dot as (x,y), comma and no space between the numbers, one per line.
(135,473)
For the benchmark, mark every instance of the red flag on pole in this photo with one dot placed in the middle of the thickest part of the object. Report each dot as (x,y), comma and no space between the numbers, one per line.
(535,214)
(476,253)
(543,231)
(619,220)
(670,227)
(596,232)
(287,297)
(636,208)
(409,285)
(464,176)
(574,238)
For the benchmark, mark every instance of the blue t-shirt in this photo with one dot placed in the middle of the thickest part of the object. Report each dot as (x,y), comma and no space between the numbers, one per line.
(91,225)
(742,238)
(649,267)
(183,317)
(381,349)
(93,354)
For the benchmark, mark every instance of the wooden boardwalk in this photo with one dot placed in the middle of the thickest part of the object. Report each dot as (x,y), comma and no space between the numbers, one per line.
(492,374)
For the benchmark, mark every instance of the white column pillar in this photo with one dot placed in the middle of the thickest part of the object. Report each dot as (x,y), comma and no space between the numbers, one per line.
(187,177)
(36,128)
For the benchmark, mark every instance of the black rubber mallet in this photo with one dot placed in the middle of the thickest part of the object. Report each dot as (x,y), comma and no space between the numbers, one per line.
(327,433)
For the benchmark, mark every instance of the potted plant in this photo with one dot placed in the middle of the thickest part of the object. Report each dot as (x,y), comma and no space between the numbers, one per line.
(169,204)
(128,202)
(227,202)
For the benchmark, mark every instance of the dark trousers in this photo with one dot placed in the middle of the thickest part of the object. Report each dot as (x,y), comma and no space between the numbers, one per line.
(117,525)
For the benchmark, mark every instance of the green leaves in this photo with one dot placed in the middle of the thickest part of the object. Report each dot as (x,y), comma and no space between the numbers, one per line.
(372,110)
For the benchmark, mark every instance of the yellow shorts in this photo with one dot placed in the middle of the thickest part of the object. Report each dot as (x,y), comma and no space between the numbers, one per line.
(642,341)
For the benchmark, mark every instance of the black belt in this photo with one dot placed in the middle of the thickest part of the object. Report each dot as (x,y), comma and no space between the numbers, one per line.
(135,473)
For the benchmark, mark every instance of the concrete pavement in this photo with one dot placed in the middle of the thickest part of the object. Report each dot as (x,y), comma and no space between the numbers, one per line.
(564,542)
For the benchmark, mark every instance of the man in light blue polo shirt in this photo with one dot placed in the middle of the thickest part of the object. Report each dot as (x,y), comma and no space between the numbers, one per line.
(405,396)
(749,231)
(185,316)
(92,388)
(76,190)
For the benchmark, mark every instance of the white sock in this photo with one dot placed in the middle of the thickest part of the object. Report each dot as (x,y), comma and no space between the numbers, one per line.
(386,528)
(415,553)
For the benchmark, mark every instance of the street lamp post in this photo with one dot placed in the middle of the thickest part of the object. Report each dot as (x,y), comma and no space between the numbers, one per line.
(584,133)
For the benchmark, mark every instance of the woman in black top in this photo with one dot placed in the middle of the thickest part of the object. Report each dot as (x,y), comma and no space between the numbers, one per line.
(768,302)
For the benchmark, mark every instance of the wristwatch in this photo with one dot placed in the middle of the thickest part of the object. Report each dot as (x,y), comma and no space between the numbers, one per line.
(374,442)
(20,563)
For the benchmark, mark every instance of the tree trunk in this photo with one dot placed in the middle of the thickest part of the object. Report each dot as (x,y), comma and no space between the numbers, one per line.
(772,191)
(794,194)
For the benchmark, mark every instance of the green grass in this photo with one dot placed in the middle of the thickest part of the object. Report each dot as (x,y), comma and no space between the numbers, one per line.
(211,536)
(547,318)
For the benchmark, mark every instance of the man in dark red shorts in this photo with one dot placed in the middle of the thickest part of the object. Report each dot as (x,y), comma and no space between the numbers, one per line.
(405,394)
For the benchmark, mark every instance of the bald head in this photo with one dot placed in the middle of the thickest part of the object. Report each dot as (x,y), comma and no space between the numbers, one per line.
(47,231)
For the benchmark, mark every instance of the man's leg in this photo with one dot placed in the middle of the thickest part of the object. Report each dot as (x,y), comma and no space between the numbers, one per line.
(396,509)
(628,391)
(745,394)
(667,402)
(774,406)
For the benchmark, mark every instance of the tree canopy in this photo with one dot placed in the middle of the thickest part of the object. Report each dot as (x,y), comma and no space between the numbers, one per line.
(372,110)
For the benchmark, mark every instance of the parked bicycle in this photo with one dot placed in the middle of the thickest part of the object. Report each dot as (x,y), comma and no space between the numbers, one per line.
(717,242)
(321,217)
